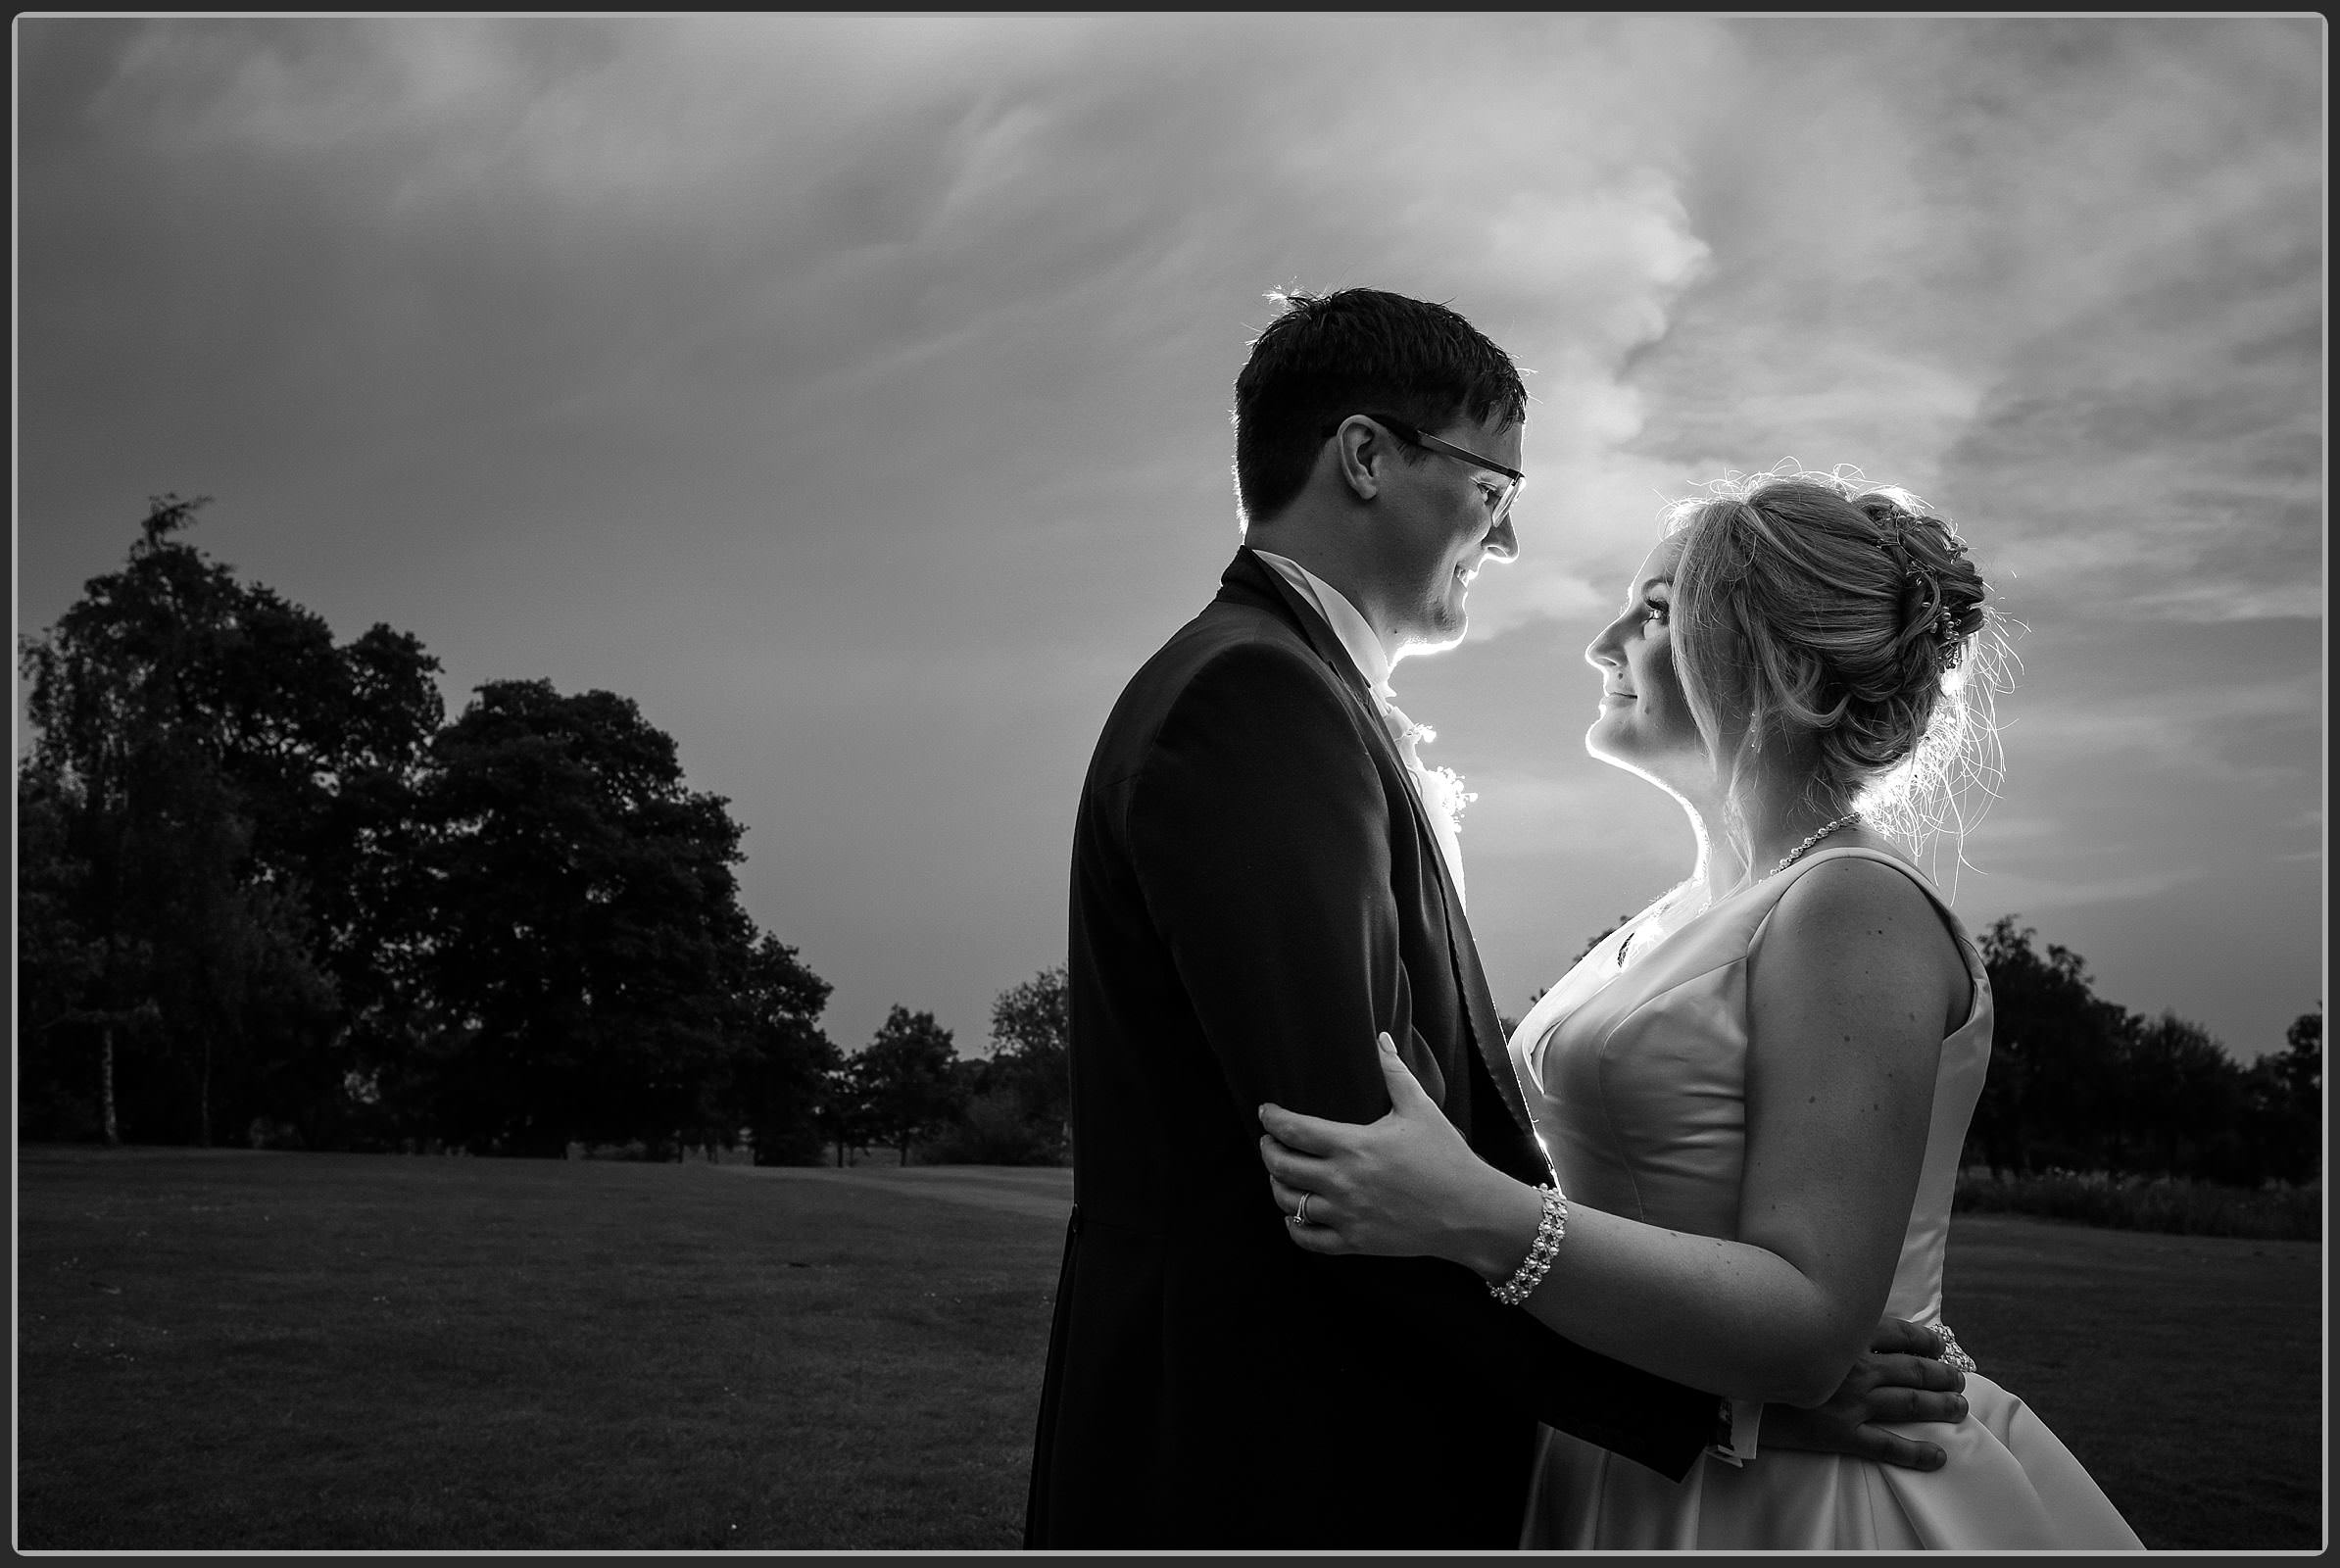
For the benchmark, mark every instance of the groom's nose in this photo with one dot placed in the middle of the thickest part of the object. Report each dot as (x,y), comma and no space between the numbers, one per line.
(1501,542)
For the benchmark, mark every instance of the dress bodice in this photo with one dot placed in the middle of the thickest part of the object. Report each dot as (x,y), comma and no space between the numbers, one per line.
(1634,1066)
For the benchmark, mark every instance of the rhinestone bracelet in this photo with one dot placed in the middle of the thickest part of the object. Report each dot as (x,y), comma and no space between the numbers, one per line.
(1515,1291)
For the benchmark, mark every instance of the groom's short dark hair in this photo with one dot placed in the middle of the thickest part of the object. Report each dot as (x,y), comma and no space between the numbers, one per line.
(1356,351)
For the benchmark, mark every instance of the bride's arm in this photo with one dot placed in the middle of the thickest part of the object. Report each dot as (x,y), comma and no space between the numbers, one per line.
(1846,1009)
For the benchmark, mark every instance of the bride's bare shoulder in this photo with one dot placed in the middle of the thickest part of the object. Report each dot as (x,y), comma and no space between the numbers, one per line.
(1852,923)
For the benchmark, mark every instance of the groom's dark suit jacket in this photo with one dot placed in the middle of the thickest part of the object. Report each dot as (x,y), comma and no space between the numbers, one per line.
(1255,893)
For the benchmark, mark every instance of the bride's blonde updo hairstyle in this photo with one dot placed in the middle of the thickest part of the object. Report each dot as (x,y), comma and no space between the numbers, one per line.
(1816,603)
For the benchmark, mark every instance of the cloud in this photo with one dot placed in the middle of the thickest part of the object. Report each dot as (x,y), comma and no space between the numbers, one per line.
(2062,278)
(2034,894)
(2183,731)
(777,225)
(2232,601)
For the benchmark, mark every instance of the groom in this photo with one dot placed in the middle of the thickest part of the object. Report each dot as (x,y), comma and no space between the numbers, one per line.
(1262,881)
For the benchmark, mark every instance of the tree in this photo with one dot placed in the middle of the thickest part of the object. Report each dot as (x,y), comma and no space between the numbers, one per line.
(842,1111)
(2285,1093)
(781,1074)
(2079,1082)
(58,966)
(2301,1065)
(908,1077)
(2054,1093)
(266,893)
(248,1013)
(170,950)
(1016,1101)
(2184,1098)
(581,936)
(357,834)
(1028,1076)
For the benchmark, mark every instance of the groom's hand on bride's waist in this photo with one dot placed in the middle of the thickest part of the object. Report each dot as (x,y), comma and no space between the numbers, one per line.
(1900,1378)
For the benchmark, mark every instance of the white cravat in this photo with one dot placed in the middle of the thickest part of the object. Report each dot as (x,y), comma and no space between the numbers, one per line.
(1373,662)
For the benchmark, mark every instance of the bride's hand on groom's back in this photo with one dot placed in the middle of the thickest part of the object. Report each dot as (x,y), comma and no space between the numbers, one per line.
(1899,1379)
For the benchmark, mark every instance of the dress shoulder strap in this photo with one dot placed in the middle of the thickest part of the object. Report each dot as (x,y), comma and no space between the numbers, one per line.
(1861,852)
(1968,952)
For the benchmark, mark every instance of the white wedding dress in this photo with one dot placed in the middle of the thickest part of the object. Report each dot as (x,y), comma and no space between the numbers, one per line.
(1634,1071)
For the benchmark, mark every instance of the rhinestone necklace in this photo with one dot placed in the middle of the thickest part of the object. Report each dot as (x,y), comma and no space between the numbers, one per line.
(1797,852)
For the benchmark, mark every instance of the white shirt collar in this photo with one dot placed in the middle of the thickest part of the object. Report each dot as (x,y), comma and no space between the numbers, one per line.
(1365,650)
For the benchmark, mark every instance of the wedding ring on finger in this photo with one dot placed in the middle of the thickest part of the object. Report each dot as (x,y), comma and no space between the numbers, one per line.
(1299,1216)
(1952,1354)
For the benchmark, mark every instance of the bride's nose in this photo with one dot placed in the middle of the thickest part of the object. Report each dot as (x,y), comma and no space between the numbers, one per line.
(1605,652)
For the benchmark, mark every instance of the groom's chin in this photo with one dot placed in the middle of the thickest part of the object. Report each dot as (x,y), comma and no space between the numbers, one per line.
(1449,634)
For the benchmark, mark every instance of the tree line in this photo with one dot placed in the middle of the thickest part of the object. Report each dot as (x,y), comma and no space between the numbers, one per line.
(269,894)
(910,1090)
(2083,1084)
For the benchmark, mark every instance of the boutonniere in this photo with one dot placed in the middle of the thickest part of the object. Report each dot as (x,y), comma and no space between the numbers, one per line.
(1444,792)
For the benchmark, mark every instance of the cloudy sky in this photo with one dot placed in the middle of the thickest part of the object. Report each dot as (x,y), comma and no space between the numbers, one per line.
(852,393)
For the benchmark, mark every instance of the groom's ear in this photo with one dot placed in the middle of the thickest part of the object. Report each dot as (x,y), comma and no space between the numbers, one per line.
(1361,453)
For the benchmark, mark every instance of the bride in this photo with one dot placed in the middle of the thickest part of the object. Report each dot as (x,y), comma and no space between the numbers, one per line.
(1755,1092)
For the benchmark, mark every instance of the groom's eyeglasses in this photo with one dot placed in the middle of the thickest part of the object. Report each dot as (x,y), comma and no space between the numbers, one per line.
(1499,497)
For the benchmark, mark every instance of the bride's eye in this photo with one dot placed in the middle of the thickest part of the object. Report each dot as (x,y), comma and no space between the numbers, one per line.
(1656,607)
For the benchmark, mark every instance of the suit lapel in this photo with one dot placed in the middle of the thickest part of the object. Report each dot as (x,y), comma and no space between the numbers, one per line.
(1479,1006)
(1487,1035)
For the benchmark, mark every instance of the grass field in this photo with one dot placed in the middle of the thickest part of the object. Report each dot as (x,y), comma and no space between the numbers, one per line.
(233,1350)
